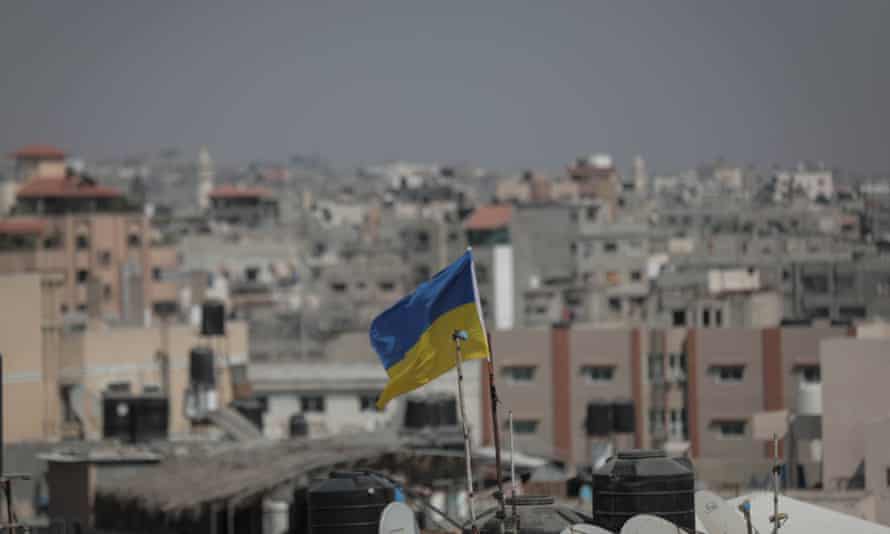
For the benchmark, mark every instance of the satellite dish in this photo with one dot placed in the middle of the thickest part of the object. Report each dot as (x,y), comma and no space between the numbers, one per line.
(398,518)
(583,528)
(717,515)
(650,524)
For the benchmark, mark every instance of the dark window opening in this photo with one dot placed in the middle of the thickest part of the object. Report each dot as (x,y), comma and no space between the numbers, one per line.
(679,318)
(525,426)
(134,240)
(314,403)
(82,242)
(727,373)
(82,276)
(598,373)
(519,373)
(368,403)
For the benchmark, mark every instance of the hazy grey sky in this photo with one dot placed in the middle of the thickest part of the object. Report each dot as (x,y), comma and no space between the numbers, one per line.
(507,84)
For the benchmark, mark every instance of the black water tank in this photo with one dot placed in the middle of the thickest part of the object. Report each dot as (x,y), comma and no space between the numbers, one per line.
(599,419)
(150,416)
(201,367)
(116,414)
(537,515)
(644,482)
(299,428)
(348,502)
(213,318)
(623,417)
(135,418)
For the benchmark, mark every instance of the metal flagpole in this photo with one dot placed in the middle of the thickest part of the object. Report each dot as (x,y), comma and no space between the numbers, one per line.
(512,460)
(502,512)
(457,336)
(513,474)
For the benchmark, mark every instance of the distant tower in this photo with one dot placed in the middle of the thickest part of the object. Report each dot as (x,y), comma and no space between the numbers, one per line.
(641,175)
(205,178)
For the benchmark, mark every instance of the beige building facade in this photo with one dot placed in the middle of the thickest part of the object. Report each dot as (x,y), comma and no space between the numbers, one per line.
(55,376)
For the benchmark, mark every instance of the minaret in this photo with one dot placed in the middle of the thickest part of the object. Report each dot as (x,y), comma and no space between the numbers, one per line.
(205,178)
(641,175)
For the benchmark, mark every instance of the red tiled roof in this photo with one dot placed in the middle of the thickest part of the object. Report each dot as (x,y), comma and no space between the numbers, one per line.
(38,152)
(22,226)
(232,191)
(489,217)
(70,187)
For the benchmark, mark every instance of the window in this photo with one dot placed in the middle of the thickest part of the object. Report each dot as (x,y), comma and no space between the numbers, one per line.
(598,373)
(519,373)
(338,287)
(615,305)
(636,276)
(706,317)
(727,374)
(817,283)
(656,421)
(251,274)
(820,313)
(888,477)
(852,312)
(368,403)
(844,281)
(134,240)
(157,274)
(118,387)
(385,286)
(423,241)
(525,426)
(481,274)
(63,308)
(810,374)
(729,429)
(313,403)
(54,241)
(679,318)
(82,242)
(82,276)
(106,292)
(656,367)
(610,247)
(718,317)
(104,258)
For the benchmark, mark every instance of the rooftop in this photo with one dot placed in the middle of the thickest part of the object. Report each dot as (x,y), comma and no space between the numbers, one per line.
(37,152)
(22,226)
(233,191)
(490,217)
(66,187)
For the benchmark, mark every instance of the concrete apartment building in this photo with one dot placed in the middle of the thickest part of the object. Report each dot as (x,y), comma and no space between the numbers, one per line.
(854,396)
(693,390)
(55,373)
(336,392)
(523,260)
(238,205)
(547,377)
(112,265)
(30,342)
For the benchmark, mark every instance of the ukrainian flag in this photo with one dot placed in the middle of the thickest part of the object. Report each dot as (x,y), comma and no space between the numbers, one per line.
(414,337)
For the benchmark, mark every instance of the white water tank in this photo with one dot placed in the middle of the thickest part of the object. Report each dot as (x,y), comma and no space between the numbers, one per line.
(809,399)
(276,518)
